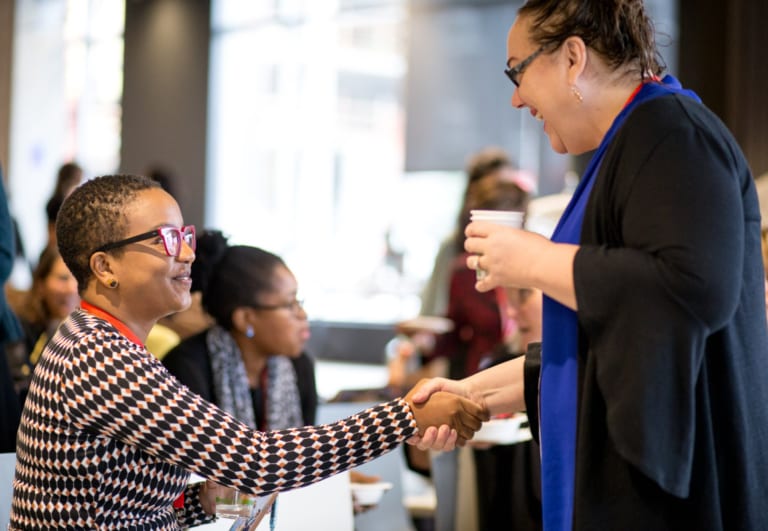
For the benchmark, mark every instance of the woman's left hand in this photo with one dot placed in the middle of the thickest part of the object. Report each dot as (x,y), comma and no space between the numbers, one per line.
(208,496)
(506,255)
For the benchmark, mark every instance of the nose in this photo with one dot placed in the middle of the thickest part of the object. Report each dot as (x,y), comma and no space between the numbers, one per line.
(187,254)
(516,101)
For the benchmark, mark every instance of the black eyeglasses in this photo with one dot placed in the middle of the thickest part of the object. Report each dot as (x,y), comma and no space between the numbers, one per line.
(294,306)
(170,236)
(514,72)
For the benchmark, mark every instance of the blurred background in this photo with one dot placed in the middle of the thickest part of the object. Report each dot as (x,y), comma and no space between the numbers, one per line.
(331,132)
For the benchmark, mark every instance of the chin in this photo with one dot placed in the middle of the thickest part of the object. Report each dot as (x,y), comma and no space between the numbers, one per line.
(557,145)
(182,304)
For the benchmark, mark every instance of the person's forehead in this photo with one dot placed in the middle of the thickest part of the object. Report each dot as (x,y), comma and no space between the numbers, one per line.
(518,43)
(153,208)
(283,280)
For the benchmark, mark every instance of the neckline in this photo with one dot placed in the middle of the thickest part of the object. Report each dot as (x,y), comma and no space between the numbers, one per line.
(114,321)
(654,79)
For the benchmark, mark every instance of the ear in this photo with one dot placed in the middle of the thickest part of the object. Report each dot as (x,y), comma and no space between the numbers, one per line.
(101,267)
(576,53)
(241,318)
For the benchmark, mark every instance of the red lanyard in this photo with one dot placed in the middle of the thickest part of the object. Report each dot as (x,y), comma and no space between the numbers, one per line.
(652,79)
(117,323)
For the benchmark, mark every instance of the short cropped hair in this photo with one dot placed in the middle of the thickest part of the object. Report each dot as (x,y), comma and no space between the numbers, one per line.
(94,215)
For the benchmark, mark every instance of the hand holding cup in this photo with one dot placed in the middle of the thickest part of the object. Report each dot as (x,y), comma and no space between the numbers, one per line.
(507,218)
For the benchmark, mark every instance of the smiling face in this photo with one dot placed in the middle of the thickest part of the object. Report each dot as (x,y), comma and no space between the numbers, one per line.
(546,87)
(151,284)
(537,82)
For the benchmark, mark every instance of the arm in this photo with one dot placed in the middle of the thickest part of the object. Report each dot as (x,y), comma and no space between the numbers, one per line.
(145,407)
(498,388)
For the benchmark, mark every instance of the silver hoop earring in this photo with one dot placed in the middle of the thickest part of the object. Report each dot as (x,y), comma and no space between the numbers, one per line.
(577,93)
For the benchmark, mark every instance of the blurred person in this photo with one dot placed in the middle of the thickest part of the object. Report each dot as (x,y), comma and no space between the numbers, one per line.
(252,362)
(653,382)
(164,176)
(103,415)
(161,340)
(480,325)
(52,297)
(479,319)
(69,177)
(764,245)
(509,477)
(10,330)
(491,162)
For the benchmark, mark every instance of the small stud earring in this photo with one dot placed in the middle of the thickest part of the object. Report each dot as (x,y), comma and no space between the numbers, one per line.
(249,332)
(577,93)
(113,283)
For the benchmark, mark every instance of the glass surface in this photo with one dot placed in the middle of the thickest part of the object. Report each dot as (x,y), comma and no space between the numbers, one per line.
(306,150)
(66,100)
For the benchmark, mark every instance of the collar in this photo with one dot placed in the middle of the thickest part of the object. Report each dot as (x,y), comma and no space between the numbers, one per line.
(652,79)
(114,321)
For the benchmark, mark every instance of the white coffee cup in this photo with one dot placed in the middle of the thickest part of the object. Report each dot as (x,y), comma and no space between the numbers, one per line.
(508,218)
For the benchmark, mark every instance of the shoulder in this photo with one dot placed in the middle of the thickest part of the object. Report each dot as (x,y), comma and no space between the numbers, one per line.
(83,331)
(192,350)
(303,363)
(685,118)
(675,133)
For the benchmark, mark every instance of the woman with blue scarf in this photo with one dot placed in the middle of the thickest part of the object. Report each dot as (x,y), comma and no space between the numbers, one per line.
(652,386)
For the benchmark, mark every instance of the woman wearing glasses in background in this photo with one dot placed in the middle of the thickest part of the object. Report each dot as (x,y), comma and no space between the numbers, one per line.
(653,388)
(251,363)
(108,436)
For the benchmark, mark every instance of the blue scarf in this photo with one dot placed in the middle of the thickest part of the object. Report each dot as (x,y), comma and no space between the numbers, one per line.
(559,372)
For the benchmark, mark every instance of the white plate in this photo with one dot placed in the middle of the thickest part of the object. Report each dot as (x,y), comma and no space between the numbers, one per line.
(504,431)
(369,493)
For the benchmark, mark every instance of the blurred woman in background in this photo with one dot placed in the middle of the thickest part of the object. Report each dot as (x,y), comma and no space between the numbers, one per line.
(52,296)
(251,363)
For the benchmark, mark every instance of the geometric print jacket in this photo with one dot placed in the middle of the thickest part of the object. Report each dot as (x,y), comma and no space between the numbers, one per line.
(108,439)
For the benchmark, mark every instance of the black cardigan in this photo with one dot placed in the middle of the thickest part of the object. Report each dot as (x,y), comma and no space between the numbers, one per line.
(673,358)
(190,362)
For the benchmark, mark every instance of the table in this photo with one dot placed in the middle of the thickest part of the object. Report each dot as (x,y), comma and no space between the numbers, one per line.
(323,506)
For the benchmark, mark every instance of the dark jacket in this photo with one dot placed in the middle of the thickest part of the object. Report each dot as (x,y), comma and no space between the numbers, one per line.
(190,362)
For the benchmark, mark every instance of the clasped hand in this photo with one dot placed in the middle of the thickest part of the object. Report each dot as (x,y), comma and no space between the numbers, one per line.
(455,418)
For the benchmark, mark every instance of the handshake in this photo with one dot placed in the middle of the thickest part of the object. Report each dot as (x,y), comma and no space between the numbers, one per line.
(445,416)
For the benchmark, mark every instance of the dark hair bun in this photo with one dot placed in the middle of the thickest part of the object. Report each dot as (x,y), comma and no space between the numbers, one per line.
(211,245)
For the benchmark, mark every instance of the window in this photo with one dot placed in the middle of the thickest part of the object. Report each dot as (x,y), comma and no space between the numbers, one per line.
(67,87)
(306,153)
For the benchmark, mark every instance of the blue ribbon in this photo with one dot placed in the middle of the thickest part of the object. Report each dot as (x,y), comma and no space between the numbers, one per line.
(559,372)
